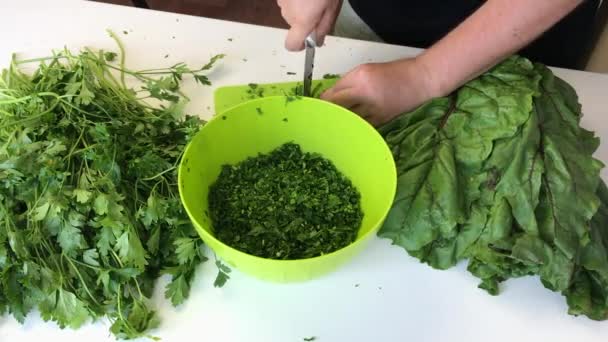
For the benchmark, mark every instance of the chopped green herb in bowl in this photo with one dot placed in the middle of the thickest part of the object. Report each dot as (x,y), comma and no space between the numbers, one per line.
(291,194)
(287,204)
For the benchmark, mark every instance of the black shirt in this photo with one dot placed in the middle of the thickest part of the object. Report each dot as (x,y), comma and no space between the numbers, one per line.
(421,23)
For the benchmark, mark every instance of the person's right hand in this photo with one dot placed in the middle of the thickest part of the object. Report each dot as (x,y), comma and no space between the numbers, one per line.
(306,16)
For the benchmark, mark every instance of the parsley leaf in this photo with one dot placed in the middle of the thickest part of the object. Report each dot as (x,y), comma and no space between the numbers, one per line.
(69,311)
(222,274)
(185,250)
(82,196)
(178,290)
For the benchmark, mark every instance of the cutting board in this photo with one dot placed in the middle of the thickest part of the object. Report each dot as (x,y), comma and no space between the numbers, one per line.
(229,96)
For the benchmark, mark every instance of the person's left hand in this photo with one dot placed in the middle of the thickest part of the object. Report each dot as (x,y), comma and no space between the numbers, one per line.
(381,91)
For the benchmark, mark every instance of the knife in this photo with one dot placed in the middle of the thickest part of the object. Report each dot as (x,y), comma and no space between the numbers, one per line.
(310,44)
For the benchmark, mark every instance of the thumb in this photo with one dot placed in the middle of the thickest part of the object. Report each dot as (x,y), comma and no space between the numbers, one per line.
(296,36)
(346,97)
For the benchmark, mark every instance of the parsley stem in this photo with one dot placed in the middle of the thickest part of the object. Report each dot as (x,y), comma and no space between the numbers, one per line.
(67,103)
(117,258)
(84,149)
(84,284)
(87,265)
(160,174)
(122,57)
(138,288)
(40,258)
(34,117)
(71,153)
(26,98)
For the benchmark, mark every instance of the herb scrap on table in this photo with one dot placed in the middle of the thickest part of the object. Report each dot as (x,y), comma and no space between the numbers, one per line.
(222,274)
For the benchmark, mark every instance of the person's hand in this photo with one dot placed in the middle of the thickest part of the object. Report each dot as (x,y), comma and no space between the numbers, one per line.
(306,16)
(381,91)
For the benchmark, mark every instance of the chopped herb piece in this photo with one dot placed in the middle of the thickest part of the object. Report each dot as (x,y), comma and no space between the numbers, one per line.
(291,98)
(255,91)
(222,274)
(330,76)
(298,90)
(109,56)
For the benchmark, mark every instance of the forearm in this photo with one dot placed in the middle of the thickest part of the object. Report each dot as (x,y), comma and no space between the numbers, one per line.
(496,30)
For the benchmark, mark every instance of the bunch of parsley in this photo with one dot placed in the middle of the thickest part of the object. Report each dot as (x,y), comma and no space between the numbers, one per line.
(90,213)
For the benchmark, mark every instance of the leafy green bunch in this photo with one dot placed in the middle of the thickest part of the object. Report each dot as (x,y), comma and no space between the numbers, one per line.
(90,214)
(500,173)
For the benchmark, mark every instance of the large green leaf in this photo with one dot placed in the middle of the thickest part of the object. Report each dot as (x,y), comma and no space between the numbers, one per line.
(502,173)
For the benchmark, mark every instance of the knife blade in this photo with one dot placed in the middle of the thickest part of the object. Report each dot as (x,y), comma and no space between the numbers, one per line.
(309,62)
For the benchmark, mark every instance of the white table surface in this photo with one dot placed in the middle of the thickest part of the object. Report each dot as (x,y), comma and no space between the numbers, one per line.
(398,299)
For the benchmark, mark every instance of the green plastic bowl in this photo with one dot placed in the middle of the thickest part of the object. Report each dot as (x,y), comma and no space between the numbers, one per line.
(261,125)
